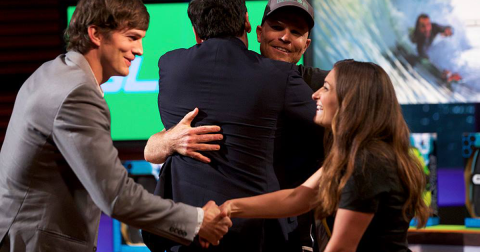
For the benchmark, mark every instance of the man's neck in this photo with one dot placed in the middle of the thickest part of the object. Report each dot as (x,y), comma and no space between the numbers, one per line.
(94,62)
(244,39)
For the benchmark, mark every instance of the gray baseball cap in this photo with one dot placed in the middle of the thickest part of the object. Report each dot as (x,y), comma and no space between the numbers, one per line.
(274,5)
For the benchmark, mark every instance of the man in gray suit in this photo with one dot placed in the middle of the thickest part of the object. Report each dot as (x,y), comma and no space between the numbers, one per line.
(58,166)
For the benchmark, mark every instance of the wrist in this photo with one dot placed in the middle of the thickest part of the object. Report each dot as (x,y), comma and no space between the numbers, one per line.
(170,144)
(233,208)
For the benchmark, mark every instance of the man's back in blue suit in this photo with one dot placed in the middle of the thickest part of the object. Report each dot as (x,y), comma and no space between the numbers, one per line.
(249,96)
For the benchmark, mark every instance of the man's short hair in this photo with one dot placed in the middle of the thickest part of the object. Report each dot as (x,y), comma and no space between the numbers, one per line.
(108,16)
(217,18)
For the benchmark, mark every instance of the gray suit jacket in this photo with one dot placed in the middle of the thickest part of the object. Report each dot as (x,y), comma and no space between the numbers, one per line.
(59,169)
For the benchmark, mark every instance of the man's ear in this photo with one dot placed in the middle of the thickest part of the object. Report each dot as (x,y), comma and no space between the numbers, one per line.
(197,38)
(248,26)
(307,44)
(94,35)
(259,33)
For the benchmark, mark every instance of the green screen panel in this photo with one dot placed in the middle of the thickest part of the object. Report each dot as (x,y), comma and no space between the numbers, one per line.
(134,115)
(133,99)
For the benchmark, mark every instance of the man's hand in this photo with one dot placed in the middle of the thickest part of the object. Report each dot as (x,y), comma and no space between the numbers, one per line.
(189,141)
(214,226)
(448,32)
(184,140)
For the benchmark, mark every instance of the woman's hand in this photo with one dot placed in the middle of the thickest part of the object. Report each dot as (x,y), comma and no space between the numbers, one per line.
(226,208)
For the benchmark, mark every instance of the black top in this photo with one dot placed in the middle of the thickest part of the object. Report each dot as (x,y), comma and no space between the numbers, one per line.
(300,154)
(301,143)
(314,77)
(375,187)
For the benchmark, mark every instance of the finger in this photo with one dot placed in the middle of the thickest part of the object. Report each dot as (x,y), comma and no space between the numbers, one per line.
(216,242)
(199,138)
(204,147)
(209,204)
(188,118)
(204,243)
(200,157)
(205,129)
(223,219)
(228,221)
(224,212)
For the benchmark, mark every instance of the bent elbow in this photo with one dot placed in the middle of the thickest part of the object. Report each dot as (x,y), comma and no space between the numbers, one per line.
(149,156)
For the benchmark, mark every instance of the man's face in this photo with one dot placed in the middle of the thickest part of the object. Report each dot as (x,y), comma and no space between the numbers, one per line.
(425,27)
(284,36)
(118,51)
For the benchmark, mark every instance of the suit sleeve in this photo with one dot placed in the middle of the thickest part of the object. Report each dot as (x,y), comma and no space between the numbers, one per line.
(439,28)
(299,104)
(314,77)
(82,134)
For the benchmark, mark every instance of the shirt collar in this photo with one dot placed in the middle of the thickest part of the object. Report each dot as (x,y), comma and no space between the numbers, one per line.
(99,88)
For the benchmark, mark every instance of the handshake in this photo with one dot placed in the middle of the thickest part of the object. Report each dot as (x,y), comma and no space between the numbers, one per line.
(216,222)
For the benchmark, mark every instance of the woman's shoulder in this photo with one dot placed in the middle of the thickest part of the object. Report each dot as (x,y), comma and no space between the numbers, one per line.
(376,165)
(371,178)
(376,155)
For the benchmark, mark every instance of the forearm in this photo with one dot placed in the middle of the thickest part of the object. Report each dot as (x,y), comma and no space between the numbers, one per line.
(279,204)
(158,148)
(328,249)
(184,140)
(137,208)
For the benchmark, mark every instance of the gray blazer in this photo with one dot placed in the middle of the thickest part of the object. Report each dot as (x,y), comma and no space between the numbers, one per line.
(59,169)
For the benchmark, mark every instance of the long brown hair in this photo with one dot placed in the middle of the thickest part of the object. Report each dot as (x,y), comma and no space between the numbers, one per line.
(368,119)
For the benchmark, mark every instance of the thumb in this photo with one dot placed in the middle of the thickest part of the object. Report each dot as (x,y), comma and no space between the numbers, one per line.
(209,204)
(188,118)
(224,212)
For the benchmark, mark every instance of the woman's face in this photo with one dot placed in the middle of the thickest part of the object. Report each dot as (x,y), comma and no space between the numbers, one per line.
(327,102)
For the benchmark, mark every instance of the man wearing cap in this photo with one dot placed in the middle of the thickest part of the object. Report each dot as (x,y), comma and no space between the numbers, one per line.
(283,35)
(250,97)
(279,40)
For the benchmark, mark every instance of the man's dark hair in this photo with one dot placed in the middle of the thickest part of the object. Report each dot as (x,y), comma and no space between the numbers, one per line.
(415,37)
(217,18)
(108,16)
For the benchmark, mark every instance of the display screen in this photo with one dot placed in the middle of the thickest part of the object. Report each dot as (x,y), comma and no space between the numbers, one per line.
(133,99)
(431,58)
(424,148)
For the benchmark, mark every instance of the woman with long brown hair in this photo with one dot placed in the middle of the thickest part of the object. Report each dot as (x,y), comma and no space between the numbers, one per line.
(370,180)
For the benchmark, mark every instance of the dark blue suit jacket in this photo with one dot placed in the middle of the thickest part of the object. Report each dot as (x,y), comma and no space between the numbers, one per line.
(249,97)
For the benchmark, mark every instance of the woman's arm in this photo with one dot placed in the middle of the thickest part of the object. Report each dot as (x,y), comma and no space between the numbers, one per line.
(348,229)
(279,204)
